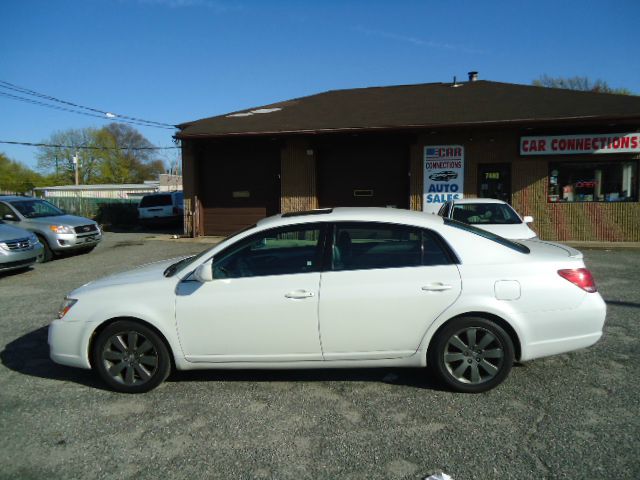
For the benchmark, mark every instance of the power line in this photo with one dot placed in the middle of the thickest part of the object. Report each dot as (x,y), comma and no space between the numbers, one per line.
(83,147)
(96,112)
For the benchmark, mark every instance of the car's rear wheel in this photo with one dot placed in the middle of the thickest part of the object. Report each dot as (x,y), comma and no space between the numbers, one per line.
(131,357)
(471,354)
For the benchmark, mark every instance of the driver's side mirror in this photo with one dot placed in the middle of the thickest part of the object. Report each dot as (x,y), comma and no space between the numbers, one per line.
(528,219)
(204,273)
(9,216)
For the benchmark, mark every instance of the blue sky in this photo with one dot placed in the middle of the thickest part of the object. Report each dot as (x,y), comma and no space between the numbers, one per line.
(178,60)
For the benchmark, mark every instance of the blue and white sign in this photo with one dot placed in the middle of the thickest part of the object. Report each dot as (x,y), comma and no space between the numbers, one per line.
(443,175)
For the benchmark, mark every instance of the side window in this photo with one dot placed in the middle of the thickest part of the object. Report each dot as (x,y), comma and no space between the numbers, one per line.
(359,246)
(280,251)
(433,252)
(4,210)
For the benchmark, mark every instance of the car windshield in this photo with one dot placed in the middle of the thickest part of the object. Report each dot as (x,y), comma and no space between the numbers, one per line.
(485,214)
(36,208)
(518,247)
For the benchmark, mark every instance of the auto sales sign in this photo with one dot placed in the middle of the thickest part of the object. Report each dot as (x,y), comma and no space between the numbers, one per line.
(443,175)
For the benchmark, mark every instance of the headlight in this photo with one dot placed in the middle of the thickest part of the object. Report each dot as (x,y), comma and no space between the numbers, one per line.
(33,239)
(3,246)
(66,306)
(61,229)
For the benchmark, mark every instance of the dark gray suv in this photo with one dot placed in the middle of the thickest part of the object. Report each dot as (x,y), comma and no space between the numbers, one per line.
(57,231)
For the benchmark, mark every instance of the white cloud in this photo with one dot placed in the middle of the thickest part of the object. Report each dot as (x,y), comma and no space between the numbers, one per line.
(416,41)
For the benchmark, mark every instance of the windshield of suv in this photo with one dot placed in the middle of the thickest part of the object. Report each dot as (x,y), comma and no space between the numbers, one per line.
(485,214)
(36,208)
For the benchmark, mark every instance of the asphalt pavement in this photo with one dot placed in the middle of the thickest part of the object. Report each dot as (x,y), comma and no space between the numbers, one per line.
(571,416)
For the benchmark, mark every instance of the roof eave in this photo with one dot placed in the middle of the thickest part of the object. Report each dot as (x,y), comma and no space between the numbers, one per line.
(511,122)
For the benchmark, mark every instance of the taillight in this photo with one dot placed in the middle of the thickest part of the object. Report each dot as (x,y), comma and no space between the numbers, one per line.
(580,277)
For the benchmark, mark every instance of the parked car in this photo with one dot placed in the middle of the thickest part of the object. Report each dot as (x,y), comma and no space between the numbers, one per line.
(343,287)
(19,249)
(489,214)
(57,231)
(161,208)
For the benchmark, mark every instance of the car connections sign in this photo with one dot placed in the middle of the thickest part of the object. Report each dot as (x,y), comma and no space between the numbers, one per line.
(577,144)
(443,175)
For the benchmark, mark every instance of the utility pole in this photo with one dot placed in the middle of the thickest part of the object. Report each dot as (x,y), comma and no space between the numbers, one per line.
(76,165)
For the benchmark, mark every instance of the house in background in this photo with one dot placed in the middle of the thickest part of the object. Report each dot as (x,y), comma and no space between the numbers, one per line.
(568,158)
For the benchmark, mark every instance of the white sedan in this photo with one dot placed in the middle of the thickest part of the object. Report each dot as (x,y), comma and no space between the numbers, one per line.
(332,288)
(489,214)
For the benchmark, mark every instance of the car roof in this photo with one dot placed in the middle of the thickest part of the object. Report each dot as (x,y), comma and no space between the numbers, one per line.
(478,200)
(13,198)
(355,214)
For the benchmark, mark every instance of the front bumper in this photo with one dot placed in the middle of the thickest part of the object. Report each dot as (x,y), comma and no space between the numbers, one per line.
(69,343)
(71,241)
(12,260)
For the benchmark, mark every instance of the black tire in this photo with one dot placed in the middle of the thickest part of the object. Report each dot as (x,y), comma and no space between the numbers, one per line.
(48,254)
(471,355)
(131,357)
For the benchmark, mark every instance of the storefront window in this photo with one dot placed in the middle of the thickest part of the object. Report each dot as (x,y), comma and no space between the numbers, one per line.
(593,182)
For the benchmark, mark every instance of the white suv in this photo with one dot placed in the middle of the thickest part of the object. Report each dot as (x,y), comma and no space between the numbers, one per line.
(161,208)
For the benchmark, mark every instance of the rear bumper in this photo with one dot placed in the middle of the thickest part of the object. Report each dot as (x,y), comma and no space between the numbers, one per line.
(563,331)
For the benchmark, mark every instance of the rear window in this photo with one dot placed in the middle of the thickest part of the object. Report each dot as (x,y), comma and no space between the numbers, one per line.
(155,201)
(518,247)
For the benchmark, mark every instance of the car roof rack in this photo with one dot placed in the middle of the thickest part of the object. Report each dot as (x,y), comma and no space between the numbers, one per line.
(317,211)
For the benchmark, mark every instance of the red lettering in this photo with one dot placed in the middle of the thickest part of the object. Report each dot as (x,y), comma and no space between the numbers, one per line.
(580,144)
(624,142)
(525,145)
(595,143)
(542,145)
(587,144)
(571,144)
(554,144)
(616,143)
(634,142)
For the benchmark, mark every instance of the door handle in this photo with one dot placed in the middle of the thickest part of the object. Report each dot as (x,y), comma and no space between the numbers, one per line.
(297,294)
(436,287)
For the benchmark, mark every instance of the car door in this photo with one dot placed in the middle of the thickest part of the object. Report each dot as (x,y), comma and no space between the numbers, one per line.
(386,285)
(262,304)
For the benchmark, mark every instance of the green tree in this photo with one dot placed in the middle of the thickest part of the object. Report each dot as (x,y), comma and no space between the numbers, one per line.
(58,161)
(15,177)
(579,83)
(116,153)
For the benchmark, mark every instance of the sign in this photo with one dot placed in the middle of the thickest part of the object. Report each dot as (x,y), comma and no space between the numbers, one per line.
(581,144)
(443,175)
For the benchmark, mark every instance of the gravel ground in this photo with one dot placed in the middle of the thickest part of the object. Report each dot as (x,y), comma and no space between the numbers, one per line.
(570,416)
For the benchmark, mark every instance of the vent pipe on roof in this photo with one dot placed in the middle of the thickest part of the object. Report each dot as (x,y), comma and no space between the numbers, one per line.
(473,76)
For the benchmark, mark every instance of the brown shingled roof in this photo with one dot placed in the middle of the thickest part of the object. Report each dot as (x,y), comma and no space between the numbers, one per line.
(422,105)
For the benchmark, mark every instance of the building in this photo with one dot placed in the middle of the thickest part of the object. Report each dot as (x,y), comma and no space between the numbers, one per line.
(568,158)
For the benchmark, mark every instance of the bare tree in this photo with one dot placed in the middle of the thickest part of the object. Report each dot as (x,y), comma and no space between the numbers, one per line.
(579,83)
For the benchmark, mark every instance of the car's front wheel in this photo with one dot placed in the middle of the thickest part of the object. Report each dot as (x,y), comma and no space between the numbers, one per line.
(471,355)
(131,357)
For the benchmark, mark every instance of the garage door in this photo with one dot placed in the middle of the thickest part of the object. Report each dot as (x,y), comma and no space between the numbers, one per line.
(238,185)
(363,172)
